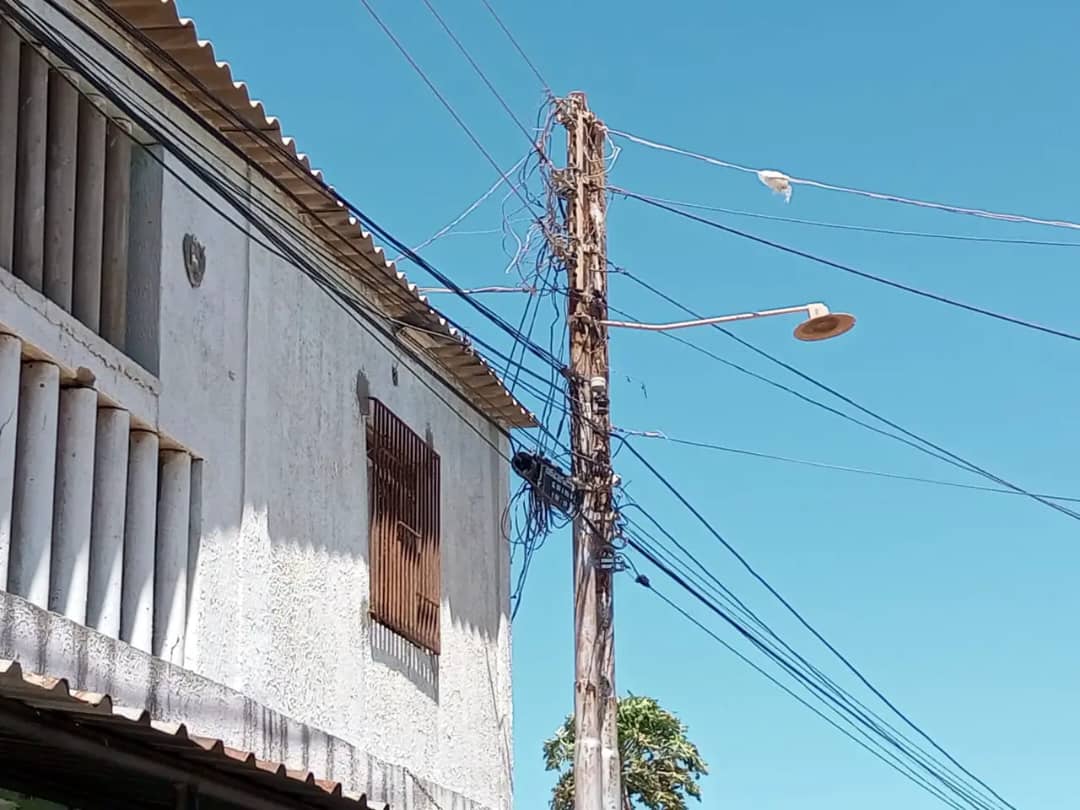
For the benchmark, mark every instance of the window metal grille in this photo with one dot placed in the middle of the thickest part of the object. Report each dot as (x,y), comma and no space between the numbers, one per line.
(404,540)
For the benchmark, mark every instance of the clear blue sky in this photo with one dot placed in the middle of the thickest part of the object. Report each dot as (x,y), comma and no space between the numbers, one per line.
(960,605)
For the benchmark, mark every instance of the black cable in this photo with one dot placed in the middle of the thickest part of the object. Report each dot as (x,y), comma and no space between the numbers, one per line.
(874,737)
(223,186)
(438,94)
(889,759)
(906,772)
(852,270)
(276,245)
(483,76)
(821,465)
(528,332)
(281,223)
(787,389)
(262,136)
(520,50)
(724,593)
(844,699)
(938,450)
(842,226)
(802,620)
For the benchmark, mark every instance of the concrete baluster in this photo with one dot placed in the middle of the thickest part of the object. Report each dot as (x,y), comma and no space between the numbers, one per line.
(29,260)
(60,171)
(114,261)
(107,524)
(89,213)
(73,501)
(10,366)
(140,518)
(35,476)
(171,560)
(10,46)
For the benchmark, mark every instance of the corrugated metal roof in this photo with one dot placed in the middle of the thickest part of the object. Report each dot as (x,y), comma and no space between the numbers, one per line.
(53,695)
(190,62)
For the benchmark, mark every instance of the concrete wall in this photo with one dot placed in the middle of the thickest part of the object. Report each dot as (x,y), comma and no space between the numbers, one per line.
(257,376)
(264,366)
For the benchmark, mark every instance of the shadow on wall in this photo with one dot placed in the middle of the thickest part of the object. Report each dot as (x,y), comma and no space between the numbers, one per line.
(404,657)
(302,546)
(285,539)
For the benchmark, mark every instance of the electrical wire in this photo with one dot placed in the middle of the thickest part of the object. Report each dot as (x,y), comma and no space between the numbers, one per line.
(439,95)
(256,133)
(793,181)
(822,684)
(206,178)
(876,739)
(912,439)
(272,234)
(849,227)
(483,77)
(821,465)
(800,618)
(443,231)
(477,290)
(936,792)
(520,50)
(859,728)
(272,241)
(941,299)
(792,391)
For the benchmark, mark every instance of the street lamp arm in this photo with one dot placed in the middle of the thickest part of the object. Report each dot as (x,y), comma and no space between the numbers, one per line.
(812,311)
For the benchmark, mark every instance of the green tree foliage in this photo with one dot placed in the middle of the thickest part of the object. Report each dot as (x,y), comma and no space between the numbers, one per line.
(660,766)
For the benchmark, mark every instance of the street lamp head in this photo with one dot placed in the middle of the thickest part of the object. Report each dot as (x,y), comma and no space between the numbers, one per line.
(822,324)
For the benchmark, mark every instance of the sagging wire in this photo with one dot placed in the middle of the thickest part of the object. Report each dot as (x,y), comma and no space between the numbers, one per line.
(528,520)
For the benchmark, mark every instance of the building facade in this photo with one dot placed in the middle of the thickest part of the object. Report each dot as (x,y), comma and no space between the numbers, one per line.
(250,482)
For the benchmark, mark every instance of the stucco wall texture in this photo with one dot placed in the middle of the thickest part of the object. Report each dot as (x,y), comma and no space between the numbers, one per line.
(258,376)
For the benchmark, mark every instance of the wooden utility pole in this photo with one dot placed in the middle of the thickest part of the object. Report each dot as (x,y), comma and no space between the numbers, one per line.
(597,777)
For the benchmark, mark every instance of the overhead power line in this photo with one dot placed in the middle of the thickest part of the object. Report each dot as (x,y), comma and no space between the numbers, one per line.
(874,735)
(519,49)
(909,437)
(798,616)
(781,180)
(256,133)
(811,677)
(444,101)
(865,720)
(787,389)
(448,227)
(822,465)
(849,269)
(484,78)
(227,190)
(859,228)
(524,339)
(921,782)
(272,230)
(478,290)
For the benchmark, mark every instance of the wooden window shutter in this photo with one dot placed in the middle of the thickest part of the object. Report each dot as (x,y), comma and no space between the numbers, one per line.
(404,542)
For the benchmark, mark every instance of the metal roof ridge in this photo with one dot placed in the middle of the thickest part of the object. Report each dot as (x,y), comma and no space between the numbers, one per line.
(160,22)
(46,693)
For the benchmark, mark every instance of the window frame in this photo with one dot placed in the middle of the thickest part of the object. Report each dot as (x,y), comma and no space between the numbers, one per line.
(404,542)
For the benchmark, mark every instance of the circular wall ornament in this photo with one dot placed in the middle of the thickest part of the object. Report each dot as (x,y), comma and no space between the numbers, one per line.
(194,259)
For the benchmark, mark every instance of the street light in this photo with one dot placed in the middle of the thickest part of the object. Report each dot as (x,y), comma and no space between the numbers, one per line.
(820,324)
